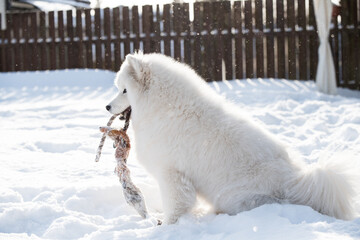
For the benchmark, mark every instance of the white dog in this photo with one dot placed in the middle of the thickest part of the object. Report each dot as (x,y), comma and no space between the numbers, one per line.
(194,142)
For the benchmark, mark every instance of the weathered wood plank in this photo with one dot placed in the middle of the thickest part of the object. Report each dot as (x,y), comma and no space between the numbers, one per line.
(249,40)
(239,69)
(259,39)
(270,53)
(280,39)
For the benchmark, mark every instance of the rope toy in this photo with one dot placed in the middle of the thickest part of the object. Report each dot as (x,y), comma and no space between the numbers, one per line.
(102,141)
(132,194)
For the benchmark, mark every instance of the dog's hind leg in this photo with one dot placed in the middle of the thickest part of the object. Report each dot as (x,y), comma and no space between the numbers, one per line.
(178,195)
(257,200)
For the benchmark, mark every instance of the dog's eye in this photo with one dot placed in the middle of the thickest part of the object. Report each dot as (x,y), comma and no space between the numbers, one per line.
(124,91)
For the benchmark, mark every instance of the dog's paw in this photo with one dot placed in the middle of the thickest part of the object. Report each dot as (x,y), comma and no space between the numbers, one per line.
(170,220)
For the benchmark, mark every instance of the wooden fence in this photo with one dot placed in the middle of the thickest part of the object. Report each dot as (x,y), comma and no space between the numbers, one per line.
(221,40)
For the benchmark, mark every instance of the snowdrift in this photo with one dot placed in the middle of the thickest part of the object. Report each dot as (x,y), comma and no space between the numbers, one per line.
(51,188)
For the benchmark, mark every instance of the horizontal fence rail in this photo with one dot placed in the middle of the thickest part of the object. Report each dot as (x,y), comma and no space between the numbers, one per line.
(220,40)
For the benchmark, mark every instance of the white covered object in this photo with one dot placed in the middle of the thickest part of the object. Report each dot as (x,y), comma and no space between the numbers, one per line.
(325,75)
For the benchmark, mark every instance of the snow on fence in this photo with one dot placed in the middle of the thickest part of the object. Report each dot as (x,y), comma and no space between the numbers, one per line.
(241,39)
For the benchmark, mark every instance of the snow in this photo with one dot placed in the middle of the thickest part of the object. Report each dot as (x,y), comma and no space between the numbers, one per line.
(51,187)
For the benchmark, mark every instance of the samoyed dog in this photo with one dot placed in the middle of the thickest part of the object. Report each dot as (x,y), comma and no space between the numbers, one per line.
(195,143)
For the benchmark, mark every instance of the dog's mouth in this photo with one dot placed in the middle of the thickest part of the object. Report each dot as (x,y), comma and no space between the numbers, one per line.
(125,114)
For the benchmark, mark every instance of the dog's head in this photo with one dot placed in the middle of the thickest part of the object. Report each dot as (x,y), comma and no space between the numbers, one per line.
(132,79)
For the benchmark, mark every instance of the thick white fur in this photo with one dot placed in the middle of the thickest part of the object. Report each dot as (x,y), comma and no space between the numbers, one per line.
(194,142)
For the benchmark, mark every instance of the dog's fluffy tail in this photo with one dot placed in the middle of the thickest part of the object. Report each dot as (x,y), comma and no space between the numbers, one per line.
(327,188)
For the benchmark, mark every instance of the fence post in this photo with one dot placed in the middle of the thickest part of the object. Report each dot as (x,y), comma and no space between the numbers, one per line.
(239,70)
(117,39)
(80,54)
(16,20)
(334,43)
(88,42)
(209,44)
(218,15)
(249,46)
(98,41)
(61,33)
(313,42)
(136,27)
(280,39)
(107,44)
(187,32)
(34,41)
(157,38)
(167,30)
(270,56)
(44,57)
(350,43)
(126,30)
(198,41)
(71,49)
(177,28)
(302,35)
(228,51)
(147,19)
(356,41)
(291,40)
(52,53)
(259,39)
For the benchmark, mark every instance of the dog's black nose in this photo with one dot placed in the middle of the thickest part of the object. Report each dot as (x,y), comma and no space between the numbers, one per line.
(108,107)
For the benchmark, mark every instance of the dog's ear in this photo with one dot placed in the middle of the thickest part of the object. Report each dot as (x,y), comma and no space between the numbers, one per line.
(136,65)
(138,68)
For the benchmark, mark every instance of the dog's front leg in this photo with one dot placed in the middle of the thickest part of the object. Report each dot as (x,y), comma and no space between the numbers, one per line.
(178,195)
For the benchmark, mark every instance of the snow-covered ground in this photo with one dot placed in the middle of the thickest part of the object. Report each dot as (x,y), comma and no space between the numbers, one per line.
(51,188)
